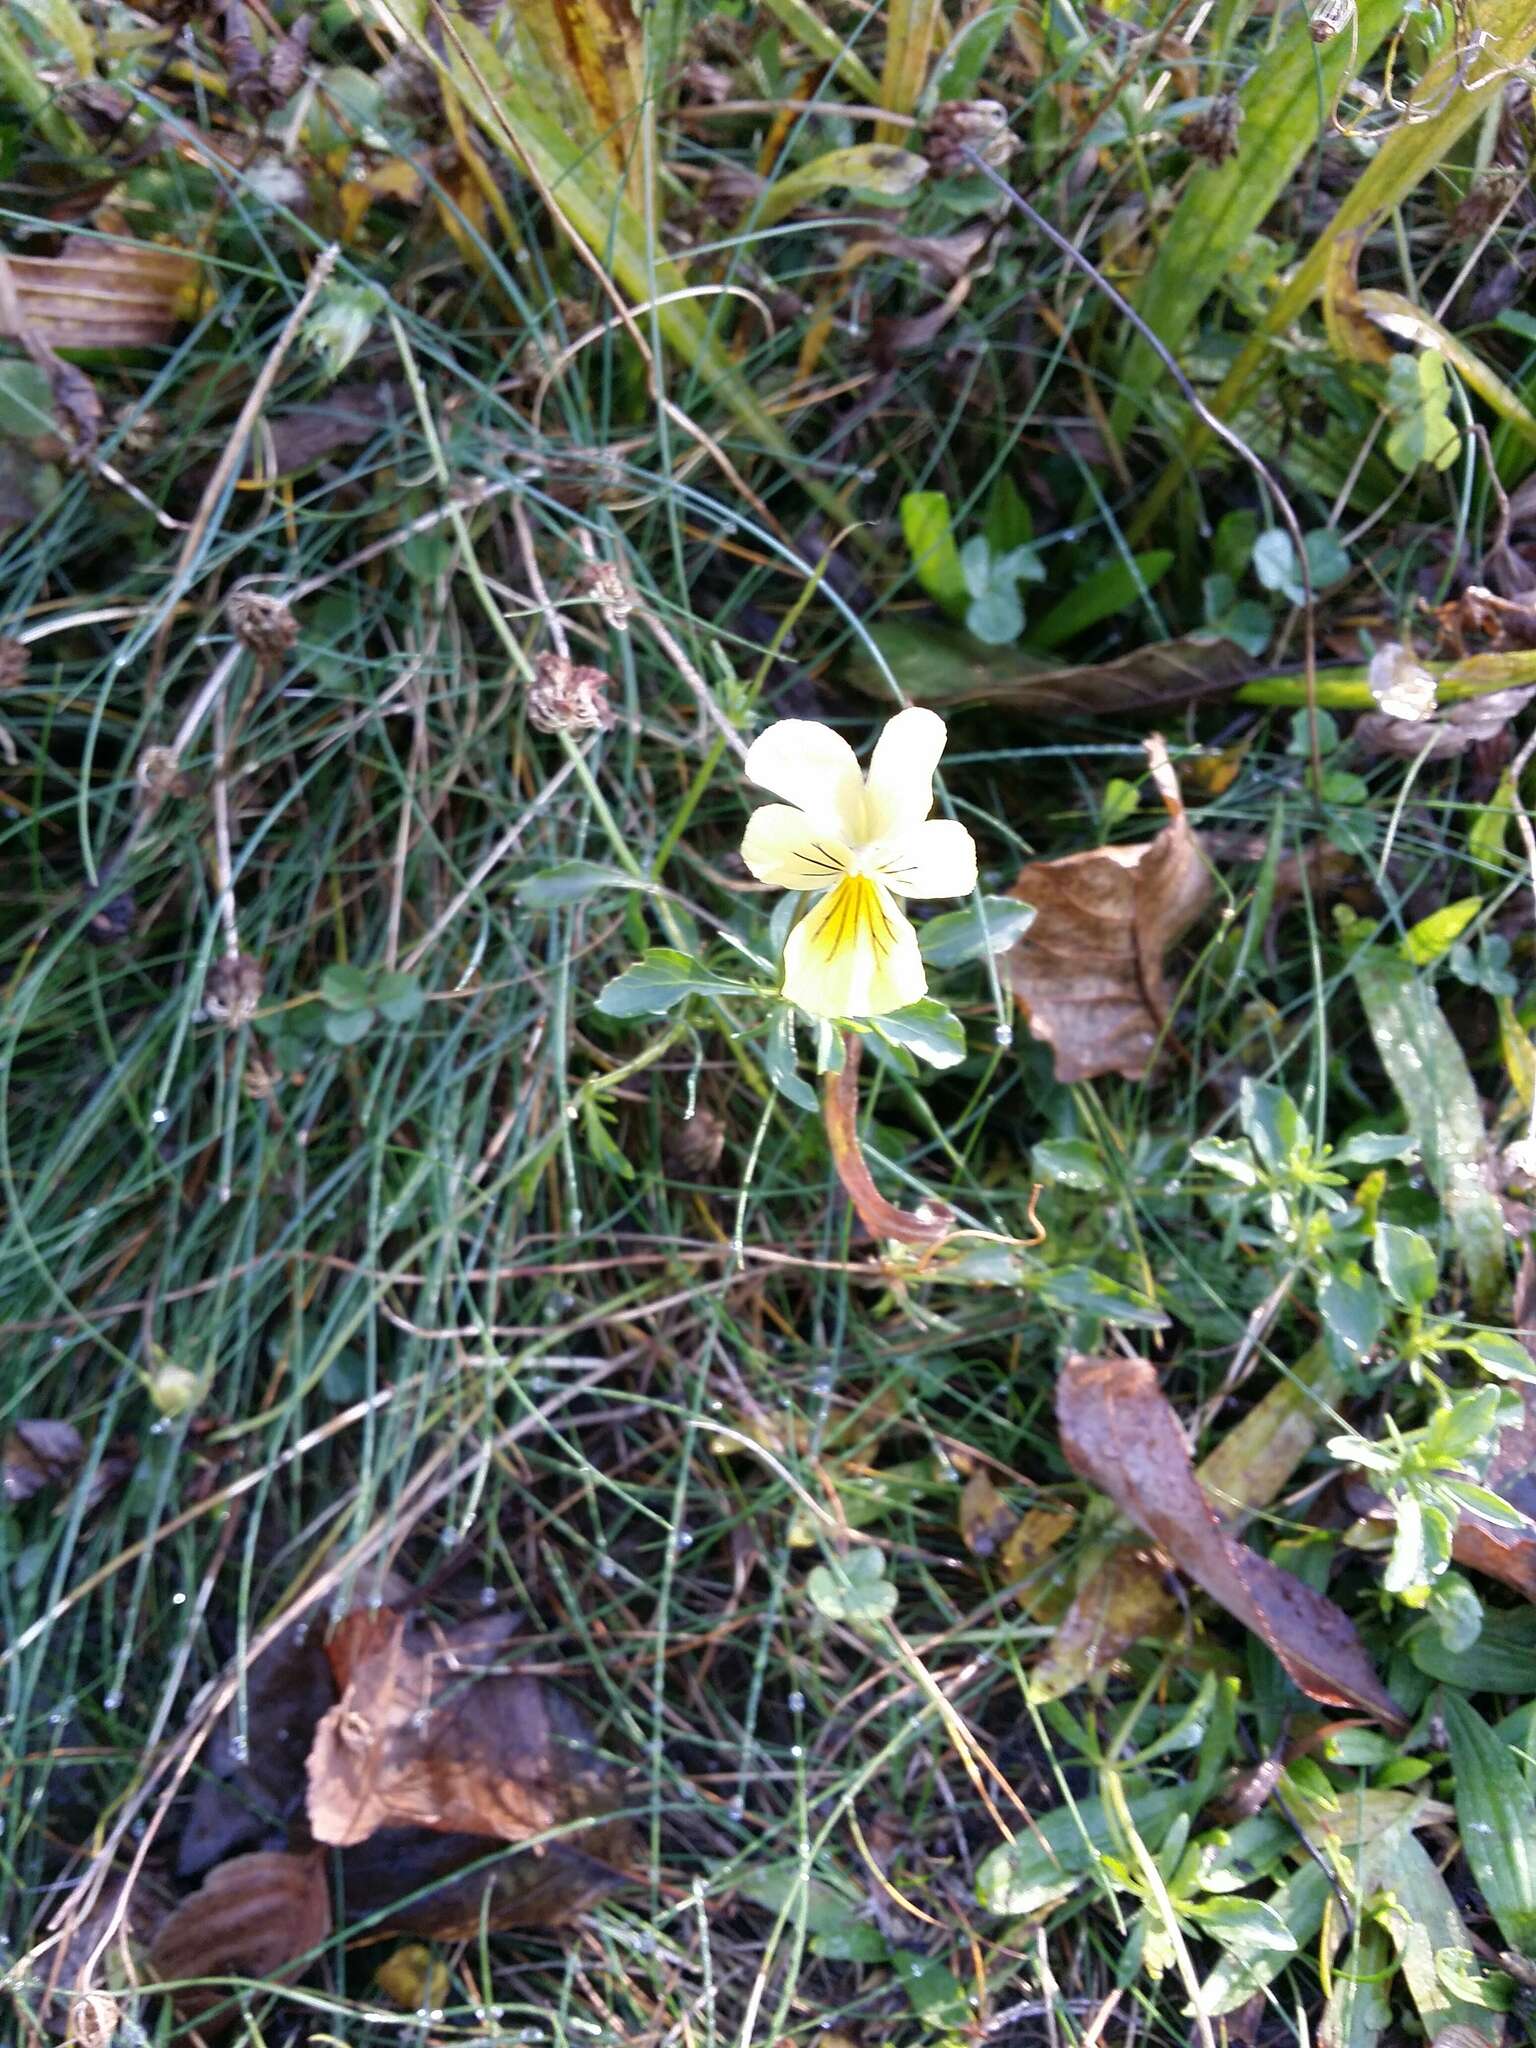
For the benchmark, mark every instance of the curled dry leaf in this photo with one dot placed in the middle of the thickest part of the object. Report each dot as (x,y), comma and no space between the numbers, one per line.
(78,1976)
(100,294)
(1089,971)
(1119,1432)
(1443,738)
(427,1736)
(38,1454)
(256,1917)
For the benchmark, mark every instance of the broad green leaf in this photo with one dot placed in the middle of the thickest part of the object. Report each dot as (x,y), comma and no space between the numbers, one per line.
(1423,1924)
(1080,1288)
(957,936)
(927,1029)
(400,998)
(571,881)
(996,618)
(1286,103)
(1497,1816)
(1406,1265)
(26,401)
(1433,937)
(1272,1121)
(1496,1351)
(1104,595)
(786,1888)
(1429,1072)
(930,538)
(347,1027)
(346,988)
(853,1588)
(1503,1659)
(872,172)
(659,981)
(1056,1853)
(1298,1905)
(1069,1163)
(1349,1302)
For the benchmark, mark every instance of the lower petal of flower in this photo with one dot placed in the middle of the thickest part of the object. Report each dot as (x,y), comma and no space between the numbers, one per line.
(854,954)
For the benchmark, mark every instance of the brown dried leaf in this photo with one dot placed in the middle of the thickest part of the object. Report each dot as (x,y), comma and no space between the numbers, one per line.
(38,1454)
(429,1737)
(256,1916)
(98,294)
(1443,738)
(80,1972)
(1119,1432)
(446,1886)
(1089,971)
(986,1520)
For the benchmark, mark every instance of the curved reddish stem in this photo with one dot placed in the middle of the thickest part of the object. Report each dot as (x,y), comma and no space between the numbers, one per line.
(840,1112)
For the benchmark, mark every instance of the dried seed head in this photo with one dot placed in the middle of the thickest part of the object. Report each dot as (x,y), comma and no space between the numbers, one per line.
(981,125)
(159,773)
(262,1077)
(232,992)
(93,2019)
(604,583)
(13,664)
(1329,17)
(694,1146)
(566,698)
(263,624)
(1212,133)
(112,920)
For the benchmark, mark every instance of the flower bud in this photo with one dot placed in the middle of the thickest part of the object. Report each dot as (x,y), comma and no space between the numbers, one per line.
(172,1389)
(232,992)
(263,624)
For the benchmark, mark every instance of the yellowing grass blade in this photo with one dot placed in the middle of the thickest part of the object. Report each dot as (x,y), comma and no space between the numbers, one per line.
(591,57)
(808,29)
(61,24)
(910,30)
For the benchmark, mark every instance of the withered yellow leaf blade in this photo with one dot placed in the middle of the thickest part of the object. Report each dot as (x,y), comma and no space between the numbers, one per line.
(591,56)
(100,295)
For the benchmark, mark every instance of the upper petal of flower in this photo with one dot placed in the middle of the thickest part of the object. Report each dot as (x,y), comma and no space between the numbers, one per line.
(854,954)
(936,858)
(898,792)
(812,766)
(783,847)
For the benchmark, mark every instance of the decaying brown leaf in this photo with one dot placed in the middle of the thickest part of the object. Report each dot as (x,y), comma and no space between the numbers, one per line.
(425,1734)
(1089,971)
(38,1454)
(447,1887)
(986,1520)
(100,295)
(256,1916)
(78,1975)
(1442,738)
(1120,1433)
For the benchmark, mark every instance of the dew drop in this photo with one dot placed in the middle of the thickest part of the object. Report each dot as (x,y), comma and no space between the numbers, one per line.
(796,1751)
(487,1599)
(796,1703)
(111,1701)
(683,1540)
(178,1599)
(737,1810)
(606,1568)
(1003,1034)
(161,1115)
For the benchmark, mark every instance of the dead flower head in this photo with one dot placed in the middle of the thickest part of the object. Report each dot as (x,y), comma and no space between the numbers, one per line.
(981,125)
(159,774)
(263,624)
(232,992)
(1212,133)
(13,664)
(565,697)
(612,595)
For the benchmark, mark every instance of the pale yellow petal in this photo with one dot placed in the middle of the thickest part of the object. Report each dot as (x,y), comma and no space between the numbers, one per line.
(812,766)
(898,792)
(783,847)
(854,954)
(936,858)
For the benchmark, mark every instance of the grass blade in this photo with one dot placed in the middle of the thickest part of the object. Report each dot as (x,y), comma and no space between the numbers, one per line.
(1498,1821)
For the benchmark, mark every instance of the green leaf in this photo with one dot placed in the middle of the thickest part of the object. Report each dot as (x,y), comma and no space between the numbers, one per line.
(26,401)
(1374,1148)
(1497,1817)
(572,881)
(1429,1071)
(346,988)
(996,618)
(958,936)
(1501,1354)
(1232,1157)
(1349,1302)
(605,1153)
(399,998)
(780,1065)
(786,1889)
(1273,1123)
(937,1995)
(930,538)
(1299,1905)
(1069,1163)
(1406,1265)
(346,1027)
(1419,401)
(58,20)
(659,981)
(858,1942)
(927,1029)
(871,172)
(1245,1927)
(1079,1289)
(1433,937)
(1104,595)
(853,1588)
(1276,566)
(1048,1861)
(1503,1659)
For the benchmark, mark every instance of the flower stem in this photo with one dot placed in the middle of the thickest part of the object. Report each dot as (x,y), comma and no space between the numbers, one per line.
(840,1112)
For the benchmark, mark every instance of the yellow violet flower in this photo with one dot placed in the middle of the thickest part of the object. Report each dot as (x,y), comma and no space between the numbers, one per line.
(863,841)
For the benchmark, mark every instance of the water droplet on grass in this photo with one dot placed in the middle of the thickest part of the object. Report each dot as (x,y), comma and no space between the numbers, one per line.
(796,1703)
(161,1115)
